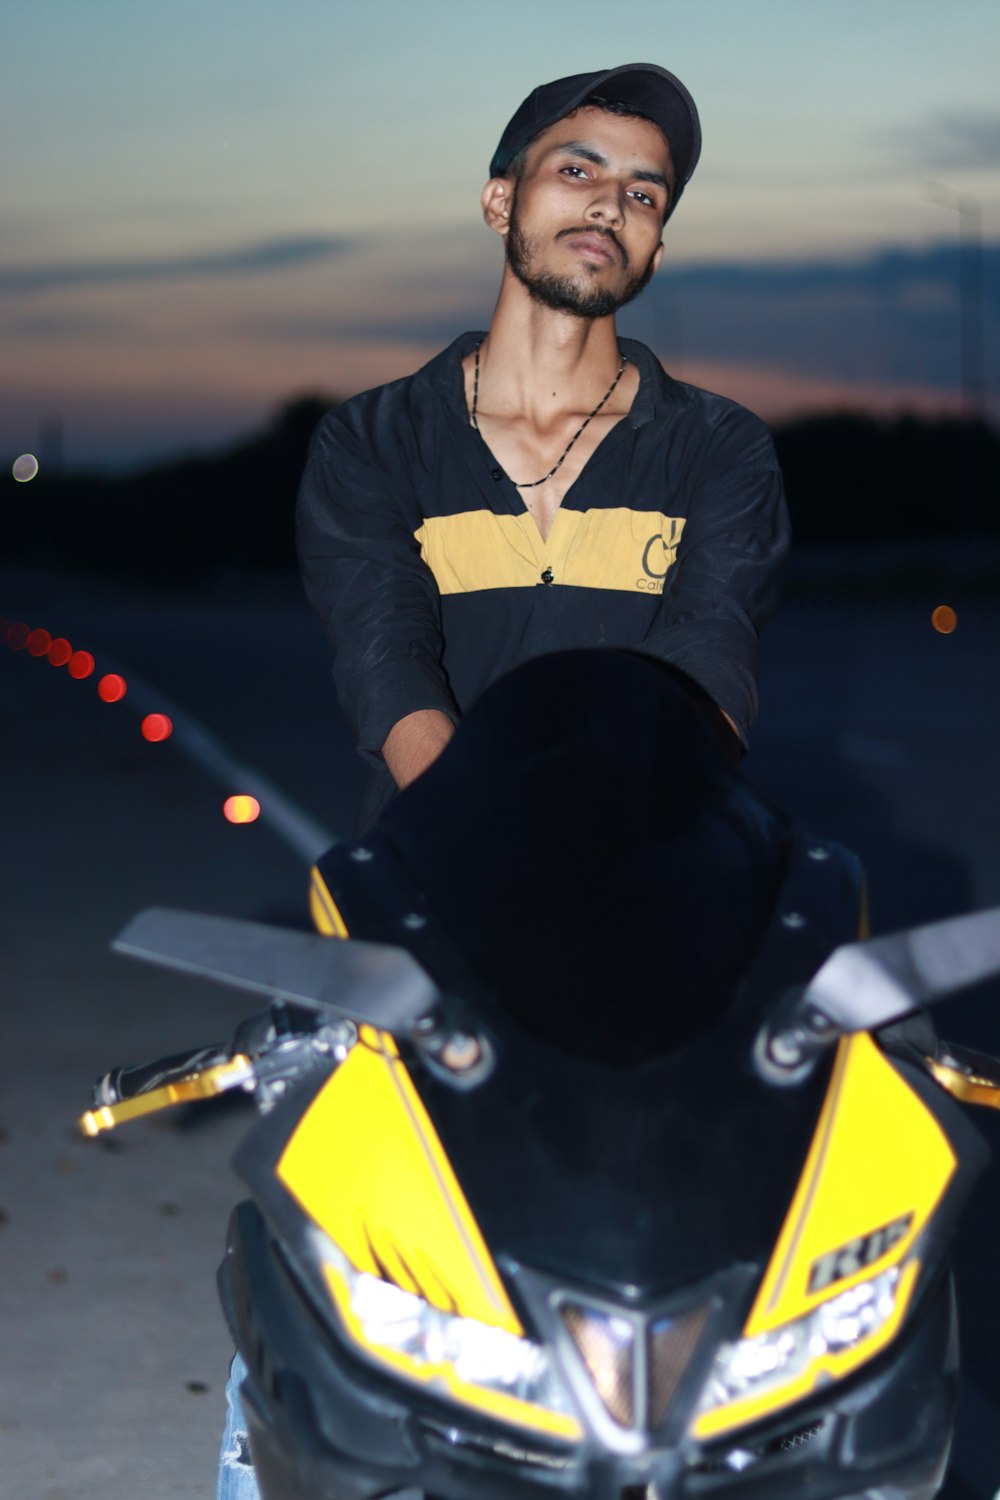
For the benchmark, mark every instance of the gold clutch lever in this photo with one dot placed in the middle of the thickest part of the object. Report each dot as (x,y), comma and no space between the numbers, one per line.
(235,1073)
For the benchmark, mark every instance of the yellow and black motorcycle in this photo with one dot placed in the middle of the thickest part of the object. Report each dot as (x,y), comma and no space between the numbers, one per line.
(607,1154)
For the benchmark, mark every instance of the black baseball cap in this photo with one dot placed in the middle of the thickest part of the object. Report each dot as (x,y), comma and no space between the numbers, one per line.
(656,92)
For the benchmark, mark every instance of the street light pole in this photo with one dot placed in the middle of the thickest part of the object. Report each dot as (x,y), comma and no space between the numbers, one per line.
(970,291)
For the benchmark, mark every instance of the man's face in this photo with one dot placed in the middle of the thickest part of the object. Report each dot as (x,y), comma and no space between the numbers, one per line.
(588,210)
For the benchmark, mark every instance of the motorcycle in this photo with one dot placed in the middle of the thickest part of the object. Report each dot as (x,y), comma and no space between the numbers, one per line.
(603,1152)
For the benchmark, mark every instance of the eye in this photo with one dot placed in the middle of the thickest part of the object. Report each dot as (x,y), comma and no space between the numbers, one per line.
(642,197)
(574,170)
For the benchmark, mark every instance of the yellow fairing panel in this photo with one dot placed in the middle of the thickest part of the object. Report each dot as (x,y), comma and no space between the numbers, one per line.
(878,1158)
(323,909)
(366,1165)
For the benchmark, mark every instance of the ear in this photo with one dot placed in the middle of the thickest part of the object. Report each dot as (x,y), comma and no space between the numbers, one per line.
(498,195)
(657,257)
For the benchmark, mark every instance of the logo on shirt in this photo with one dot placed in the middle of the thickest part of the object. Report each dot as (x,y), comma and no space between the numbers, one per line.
(659,556)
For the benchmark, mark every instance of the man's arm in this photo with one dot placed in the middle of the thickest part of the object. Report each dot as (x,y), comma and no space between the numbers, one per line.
(414,743)
(726,582)
(377,599)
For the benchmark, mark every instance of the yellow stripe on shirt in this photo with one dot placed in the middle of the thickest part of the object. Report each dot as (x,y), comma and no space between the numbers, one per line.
(628,550)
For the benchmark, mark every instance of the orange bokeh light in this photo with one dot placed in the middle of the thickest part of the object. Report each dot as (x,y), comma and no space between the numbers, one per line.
(39,642)
(944,619)
(60,651)
(80,665)
(156,727)
(18,637)
(241,809)
(111,688)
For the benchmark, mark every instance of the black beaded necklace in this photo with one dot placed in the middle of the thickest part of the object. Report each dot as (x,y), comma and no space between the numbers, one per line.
(534,483)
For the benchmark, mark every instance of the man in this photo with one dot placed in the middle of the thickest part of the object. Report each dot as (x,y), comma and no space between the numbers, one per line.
(545,484)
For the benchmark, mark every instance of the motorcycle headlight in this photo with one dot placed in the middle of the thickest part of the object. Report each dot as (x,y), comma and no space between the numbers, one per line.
(496,1371)
(755,1375)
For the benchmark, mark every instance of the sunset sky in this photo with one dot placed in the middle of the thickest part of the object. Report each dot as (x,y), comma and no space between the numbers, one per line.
(210,206)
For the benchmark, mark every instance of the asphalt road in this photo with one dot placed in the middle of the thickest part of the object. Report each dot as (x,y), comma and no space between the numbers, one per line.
(875,730)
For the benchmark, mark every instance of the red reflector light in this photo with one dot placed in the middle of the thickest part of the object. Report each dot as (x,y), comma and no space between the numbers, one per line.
(111,688)
(39,642)
(60,651)
(156,727)
(80,665)
(241,809)
(18,638)
(944,619)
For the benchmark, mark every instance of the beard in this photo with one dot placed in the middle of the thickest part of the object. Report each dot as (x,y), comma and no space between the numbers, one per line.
(567,293)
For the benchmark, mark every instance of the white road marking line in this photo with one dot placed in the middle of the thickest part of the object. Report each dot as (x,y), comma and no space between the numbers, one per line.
(284,817)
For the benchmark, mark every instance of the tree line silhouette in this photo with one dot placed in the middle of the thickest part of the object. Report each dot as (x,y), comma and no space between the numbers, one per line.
(850,479)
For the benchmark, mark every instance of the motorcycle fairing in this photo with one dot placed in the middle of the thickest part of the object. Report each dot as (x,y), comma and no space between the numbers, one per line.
(387,1194)
(851,1187)
(562,1155)
(387,1197)
(324,1426)
(856,1181)
(856,1184)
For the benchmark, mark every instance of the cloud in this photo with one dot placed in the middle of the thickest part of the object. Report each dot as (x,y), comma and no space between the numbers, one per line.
(241,260)
(890,316)
(958,140)
(57,327)
(894,316)
(887,272)
(417,327)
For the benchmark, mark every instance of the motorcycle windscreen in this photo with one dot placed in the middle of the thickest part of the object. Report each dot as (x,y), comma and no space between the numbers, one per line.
(589,848)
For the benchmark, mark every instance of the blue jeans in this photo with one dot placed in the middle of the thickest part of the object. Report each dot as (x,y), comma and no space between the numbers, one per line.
(237,1480)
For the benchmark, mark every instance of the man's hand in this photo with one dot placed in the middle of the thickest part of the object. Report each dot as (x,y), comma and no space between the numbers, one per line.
(415,743)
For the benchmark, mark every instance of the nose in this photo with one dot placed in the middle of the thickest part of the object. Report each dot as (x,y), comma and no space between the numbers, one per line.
(608,206)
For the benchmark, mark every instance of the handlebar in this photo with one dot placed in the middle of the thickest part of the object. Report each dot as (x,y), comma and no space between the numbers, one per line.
(268,1052)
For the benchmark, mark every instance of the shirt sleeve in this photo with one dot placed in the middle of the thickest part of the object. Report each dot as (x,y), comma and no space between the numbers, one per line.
(364,577)
(726,582)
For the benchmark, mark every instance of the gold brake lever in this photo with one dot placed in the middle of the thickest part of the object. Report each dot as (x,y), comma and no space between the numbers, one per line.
(206,1084)
(968,1088)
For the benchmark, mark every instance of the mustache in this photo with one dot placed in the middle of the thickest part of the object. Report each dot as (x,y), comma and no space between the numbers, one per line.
(607,234)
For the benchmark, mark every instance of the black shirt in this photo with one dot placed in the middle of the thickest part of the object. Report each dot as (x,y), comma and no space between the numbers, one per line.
(432,579)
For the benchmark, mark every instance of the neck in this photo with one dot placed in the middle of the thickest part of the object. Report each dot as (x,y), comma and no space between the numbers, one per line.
(540,361)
